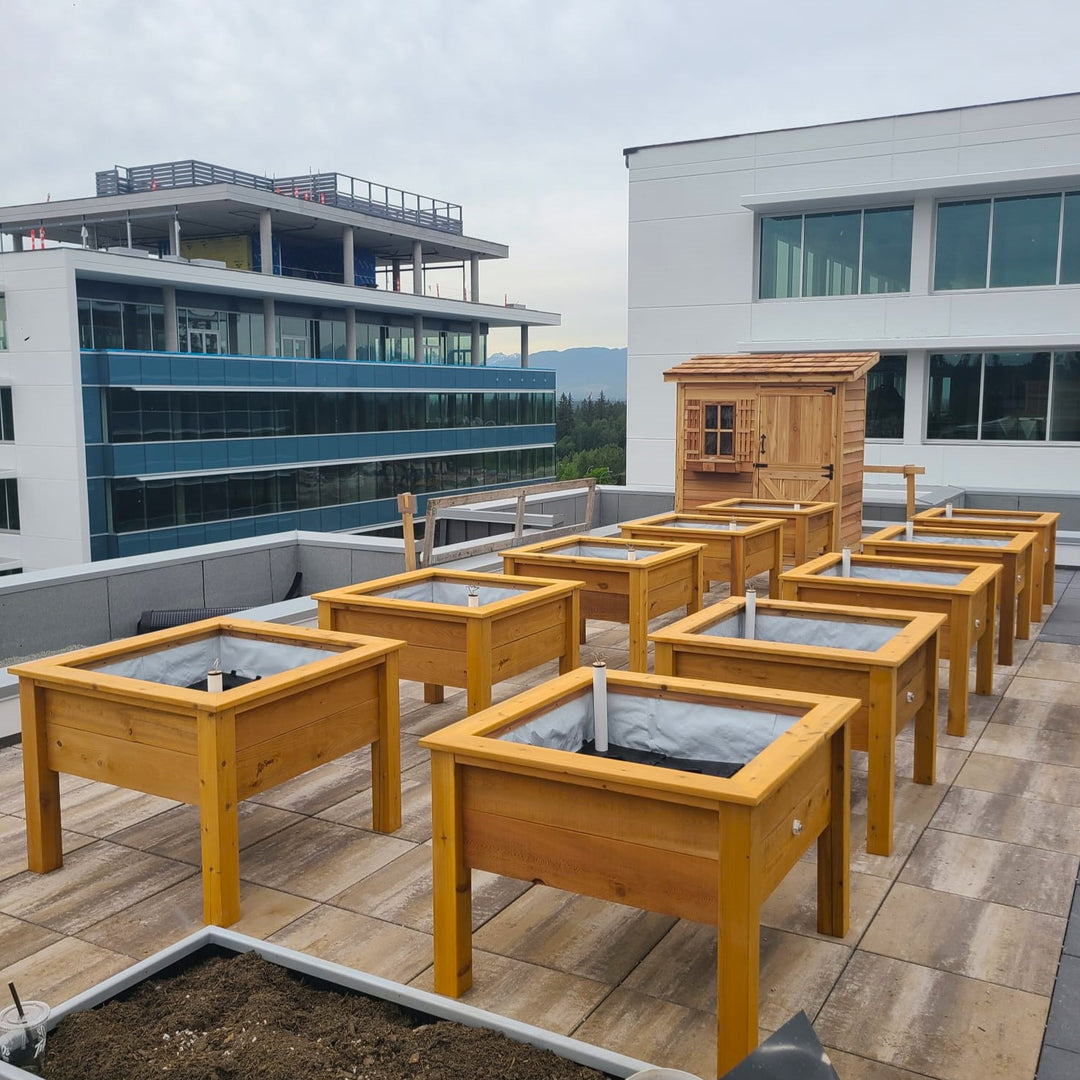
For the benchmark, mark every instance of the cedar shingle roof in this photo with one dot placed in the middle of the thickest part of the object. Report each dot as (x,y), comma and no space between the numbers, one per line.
(777,367)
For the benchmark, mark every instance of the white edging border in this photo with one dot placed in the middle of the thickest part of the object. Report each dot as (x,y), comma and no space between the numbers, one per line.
(421,1000)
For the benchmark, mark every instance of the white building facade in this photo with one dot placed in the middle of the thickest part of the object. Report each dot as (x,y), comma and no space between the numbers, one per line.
(947,241)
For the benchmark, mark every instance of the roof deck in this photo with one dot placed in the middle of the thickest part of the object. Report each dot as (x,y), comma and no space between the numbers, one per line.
(947,972)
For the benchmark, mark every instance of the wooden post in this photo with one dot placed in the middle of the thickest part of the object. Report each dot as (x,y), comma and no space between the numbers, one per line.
(216,733)
(406,504)
(833,851)
(925,765)
(881,764)
(451,881)
(386,752)
(44,847)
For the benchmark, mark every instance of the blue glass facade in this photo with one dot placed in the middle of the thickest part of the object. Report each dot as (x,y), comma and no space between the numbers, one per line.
(168,492)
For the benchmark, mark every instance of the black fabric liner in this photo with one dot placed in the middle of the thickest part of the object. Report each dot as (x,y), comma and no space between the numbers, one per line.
(229,681)
(651,757)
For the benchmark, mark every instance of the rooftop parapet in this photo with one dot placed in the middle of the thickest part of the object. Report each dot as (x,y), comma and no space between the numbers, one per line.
(329,189)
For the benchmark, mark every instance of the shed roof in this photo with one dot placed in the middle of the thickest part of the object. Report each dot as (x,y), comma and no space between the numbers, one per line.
(776,367)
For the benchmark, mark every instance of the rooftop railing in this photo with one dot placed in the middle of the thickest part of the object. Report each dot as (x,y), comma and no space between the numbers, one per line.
(328,189)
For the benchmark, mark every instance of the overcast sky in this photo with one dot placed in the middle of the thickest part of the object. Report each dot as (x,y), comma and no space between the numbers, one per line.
(517,109)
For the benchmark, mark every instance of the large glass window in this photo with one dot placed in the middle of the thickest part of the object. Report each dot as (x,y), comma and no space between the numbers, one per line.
(1070,240)
(1025,243)
(781,257)
(836,254)
(168,415)
(953,410)
(114,324)
(1018,240)
(9,504)
(885,388)
(963,232)
(1004,396)
(831,254)
(1015,395)
(1065,405)
(886,250)
(3,322)
(135,505)
(7,416)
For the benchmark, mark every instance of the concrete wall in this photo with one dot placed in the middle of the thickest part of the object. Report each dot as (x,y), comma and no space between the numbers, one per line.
(692,260)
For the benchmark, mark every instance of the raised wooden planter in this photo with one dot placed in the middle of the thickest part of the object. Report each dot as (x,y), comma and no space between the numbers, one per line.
(517,624)
(964,592)
(1013,552)
(808,530)
(1043,523)
(886,659)
(124,713)
(700,847)
(730,554)
(622,581)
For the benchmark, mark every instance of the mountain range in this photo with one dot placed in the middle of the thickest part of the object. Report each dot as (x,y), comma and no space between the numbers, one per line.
(579,372)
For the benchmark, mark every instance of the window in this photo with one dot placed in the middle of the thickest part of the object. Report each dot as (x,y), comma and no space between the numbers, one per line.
(9,504)
(1019,240)
(885,383)
(1004,397)
(3,322)
(7,416)
(719,430)
(836,254)
(109,324)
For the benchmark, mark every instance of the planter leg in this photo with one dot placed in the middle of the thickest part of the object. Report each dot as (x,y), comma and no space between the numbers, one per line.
(984,666)
(738,946)
(41,785)
(386,752)
(881,764)
(434,693)
(833,884)
(217,818)
(451,881)
(925,770)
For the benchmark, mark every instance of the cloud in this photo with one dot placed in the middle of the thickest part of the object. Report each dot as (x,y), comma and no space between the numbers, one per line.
(517,109)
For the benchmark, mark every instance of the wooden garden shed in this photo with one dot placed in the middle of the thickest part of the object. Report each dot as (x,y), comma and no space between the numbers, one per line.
(784,426)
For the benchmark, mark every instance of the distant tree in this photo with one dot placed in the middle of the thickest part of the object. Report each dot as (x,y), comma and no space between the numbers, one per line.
(591,439)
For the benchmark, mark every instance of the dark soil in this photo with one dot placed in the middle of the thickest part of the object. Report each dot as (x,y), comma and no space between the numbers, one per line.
(240,1017)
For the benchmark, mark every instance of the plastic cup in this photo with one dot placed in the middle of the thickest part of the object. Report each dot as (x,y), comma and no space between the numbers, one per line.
(22,1038)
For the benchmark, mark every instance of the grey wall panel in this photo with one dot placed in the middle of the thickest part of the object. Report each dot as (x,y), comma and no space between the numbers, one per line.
(175,585)
(53,618)
(324,567)
(284,563)
(239,580)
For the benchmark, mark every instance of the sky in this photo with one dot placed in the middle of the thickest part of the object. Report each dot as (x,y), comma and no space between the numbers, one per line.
(518,110)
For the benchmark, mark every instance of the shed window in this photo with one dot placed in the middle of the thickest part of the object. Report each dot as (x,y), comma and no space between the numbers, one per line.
(719,429)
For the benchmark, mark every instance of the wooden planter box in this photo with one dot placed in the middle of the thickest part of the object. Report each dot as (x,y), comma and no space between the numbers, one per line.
(730,554)
(659,578)
(214,940)
(699,847)
(808,531)
(1013,552)
(886,659)
(123,713)
(518,623)
(964,592)
(1045,524)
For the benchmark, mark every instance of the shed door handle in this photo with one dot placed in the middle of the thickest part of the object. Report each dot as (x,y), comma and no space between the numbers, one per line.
(761,452)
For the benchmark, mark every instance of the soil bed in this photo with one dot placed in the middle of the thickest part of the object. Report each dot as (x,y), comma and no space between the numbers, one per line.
(240,1017)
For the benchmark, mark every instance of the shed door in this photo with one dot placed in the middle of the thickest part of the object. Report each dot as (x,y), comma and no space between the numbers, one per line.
(795,444)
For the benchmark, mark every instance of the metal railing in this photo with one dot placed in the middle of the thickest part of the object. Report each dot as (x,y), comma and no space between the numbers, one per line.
(328,189)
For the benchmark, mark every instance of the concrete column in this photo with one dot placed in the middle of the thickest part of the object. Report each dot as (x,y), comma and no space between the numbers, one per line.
(270,327)
(17,242)
(348,248)
(524,346)
(172,333)
(174,237)
(418,338)
(476,358)
(350,333)
(417,267)
(474,278)
(395,267)
(266,243)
